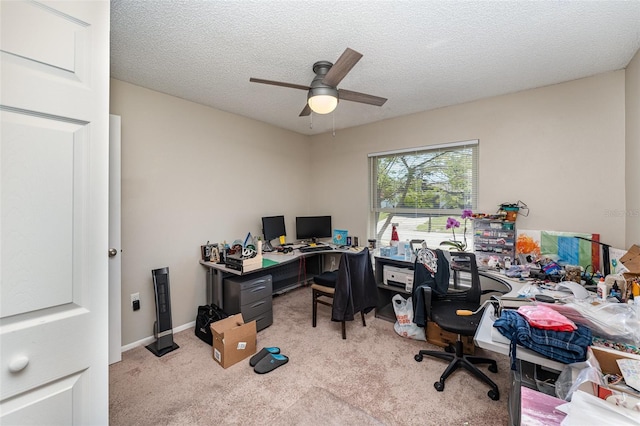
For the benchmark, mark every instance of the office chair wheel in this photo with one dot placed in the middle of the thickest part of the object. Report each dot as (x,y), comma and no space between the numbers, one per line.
(495,395)
(439,386)
(418,357)
(450,349)
(493,368)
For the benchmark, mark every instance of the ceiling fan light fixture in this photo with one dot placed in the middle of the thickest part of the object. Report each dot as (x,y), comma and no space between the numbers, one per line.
(323,104)
(322,100)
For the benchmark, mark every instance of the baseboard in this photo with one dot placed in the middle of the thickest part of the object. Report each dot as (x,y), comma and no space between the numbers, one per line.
(148,340)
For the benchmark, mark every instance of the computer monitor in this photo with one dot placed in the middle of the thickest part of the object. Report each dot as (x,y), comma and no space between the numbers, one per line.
(313,227)
(272,228)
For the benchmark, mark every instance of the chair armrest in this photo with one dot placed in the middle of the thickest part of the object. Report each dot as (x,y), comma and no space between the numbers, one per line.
(427,296)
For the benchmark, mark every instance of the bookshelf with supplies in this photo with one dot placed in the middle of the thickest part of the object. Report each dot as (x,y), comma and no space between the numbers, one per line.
(494,240)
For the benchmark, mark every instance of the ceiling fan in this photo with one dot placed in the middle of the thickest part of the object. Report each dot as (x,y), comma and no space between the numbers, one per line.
(323,94)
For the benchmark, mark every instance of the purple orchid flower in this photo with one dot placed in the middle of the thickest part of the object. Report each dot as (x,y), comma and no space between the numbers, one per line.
(452,223)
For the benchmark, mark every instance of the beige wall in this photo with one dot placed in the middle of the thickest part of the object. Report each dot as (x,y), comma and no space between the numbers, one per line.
(192,173)
(557,148)
(632,154)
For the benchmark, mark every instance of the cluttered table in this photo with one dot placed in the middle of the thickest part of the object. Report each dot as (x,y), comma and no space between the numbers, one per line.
(613,324)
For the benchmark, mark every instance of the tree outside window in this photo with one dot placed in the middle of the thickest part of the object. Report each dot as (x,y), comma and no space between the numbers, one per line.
(419,188)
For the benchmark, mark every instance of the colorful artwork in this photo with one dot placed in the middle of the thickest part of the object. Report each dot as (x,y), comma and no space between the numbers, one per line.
(340,237)
(526,244)
(569,248)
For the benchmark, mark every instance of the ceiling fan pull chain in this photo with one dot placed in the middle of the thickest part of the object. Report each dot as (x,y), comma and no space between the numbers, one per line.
(311,121)
(333,117)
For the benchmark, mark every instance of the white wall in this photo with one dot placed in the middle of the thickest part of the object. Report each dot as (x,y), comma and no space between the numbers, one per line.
(632,154)
(191,174)
(557,148)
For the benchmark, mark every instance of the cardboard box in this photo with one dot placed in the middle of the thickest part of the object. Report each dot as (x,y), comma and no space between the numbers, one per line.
(607,359)
(233,340)
(631,261)
(439,337)
(608,365)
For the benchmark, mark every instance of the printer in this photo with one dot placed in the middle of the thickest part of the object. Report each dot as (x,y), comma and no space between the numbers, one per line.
(398,277)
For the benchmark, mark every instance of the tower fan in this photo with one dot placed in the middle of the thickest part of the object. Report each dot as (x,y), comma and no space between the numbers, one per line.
(162,328)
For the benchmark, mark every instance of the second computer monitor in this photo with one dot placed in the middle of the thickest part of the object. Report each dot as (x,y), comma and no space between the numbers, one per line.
(313,227)
(272,228)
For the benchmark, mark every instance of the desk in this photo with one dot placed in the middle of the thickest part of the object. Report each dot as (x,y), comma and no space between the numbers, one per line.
(287,270)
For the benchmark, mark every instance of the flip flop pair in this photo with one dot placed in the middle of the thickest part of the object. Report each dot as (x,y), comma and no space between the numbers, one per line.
(268,359)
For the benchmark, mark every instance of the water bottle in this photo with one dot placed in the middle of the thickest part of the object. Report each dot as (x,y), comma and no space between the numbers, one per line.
(407,251)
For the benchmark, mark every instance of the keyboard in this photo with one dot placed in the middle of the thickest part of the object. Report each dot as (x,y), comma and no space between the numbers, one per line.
(311,249)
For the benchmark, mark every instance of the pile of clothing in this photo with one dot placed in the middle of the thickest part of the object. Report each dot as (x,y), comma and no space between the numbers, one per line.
(545,331)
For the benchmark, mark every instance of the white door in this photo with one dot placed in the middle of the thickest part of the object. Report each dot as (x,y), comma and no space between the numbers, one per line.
(54,112)
(115,262)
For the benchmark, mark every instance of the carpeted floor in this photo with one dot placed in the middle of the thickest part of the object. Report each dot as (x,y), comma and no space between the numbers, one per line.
(370,378)
(319,403)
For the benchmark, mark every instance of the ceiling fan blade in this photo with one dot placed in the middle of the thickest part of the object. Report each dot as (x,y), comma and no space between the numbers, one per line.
(279,83)
(305,111)
(343,65)
(363,98)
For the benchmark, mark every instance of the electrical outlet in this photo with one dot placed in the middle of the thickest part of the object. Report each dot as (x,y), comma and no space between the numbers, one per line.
(135,301)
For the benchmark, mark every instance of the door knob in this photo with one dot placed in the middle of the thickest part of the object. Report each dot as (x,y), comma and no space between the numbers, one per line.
(18,363)
(112,252)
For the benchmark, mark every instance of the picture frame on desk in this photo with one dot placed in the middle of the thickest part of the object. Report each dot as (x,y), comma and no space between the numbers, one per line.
(215,254)
(340,237)
(206,252)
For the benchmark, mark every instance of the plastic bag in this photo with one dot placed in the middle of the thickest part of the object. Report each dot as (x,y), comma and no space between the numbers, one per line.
(404,325)
(618,322)
(573,375)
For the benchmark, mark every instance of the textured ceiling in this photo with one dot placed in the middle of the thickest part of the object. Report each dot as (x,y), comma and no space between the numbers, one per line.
(419,54)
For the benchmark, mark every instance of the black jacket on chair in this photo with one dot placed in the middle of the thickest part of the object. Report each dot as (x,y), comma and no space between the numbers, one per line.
(356,289)
(438,280)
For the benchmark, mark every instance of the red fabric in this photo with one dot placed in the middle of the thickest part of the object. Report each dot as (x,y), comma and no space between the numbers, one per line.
(543,317)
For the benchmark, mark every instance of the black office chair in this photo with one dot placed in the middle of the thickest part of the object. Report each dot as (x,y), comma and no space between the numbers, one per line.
(441,309)
(349,290)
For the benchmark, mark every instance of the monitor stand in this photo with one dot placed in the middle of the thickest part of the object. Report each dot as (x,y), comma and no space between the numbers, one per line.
(267,247)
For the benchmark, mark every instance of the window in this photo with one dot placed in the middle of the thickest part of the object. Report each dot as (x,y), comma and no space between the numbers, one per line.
(418,189)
